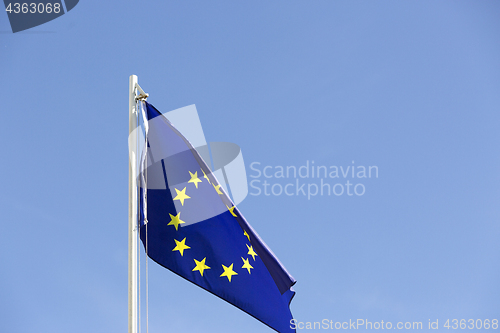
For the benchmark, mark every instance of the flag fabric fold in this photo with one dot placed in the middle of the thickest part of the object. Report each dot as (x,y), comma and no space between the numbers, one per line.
(189,225)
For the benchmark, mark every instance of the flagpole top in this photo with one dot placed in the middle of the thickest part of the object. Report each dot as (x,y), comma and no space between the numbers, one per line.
(136,92)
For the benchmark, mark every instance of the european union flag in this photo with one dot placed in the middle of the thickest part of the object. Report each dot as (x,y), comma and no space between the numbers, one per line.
(189,225)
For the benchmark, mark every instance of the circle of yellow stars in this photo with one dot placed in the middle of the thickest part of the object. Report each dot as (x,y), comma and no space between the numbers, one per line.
(180,246)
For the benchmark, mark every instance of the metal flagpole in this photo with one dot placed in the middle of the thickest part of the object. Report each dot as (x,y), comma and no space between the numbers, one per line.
(132,210)
(132,203)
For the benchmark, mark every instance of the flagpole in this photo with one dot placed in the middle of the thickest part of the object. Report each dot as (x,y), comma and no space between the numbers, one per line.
(132,210)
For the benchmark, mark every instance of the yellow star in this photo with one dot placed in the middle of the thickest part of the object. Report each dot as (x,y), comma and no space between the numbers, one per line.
(246,265)
(180,246)
(217,188)
(228,272)
(194,178)
(205,175)
(246,234)
(232,211)
(175,220)
(200,266)
(251,252)
(181,196)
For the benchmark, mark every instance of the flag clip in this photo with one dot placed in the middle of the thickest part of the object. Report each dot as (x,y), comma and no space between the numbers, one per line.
(142,97)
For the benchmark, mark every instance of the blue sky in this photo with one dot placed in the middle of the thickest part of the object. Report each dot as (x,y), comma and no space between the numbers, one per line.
(410,87)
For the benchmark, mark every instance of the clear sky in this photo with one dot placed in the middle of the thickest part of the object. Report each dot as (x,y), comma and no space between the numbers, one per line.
(411,87)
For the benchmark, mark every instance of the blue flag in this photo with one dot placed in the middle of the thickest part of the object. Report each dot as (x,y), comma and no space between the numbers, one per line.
(189,225)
